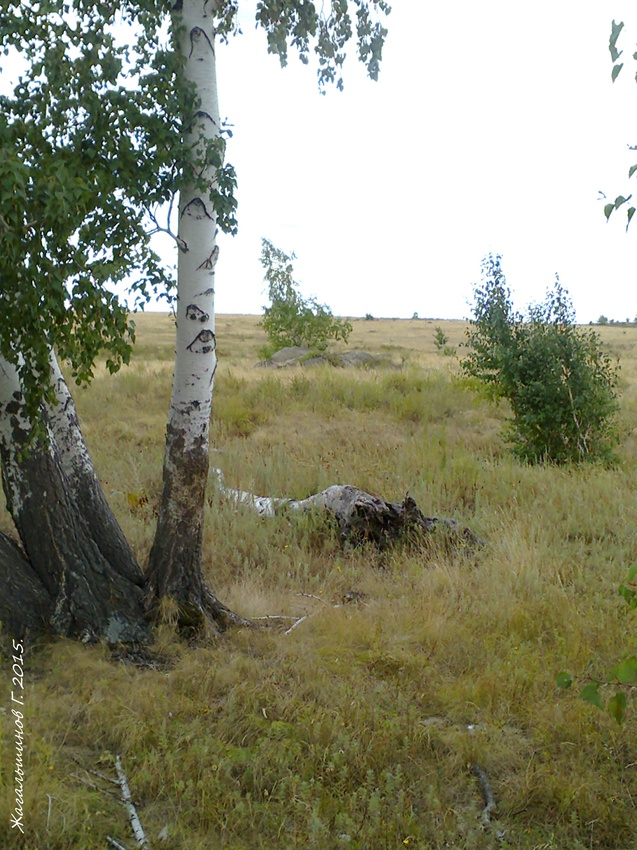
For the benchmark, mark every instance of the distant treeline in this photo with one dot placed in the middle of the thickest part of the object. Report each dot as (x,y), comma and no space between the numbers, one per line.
(603,320)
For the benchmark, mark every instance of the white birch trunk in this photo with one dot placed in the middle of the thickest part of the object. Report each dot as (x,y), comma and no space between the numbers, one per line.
(175,559)
(195,357)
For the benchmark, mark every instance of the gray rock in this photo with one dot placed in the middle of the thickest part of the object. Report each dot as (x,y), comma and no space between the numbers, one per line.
(295,355)
(359,358)
(286,357)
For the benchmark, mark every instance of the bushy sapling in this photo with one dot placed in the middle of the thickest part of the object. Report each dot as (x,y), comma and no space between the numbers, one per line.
(559,381)
(291,319)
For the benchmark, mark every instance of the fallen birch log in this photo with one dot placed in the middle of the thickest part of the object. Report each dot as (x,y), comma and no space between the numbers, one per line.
(360,515)
(127,799)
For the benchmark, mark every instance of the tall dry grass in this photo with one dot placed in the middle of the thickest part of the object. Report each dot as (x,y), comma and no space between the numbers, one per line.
(360,727)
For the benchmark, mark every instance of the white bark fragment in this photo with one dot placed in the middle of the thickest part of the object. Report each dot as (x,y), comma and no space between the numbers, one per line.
(331,499)
(13,422)
(138,830)
(72,452)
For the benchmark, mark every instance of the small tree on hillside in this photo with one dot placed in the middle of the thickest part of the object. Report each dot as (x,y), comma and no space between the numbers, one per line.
(561,384)
(292,319)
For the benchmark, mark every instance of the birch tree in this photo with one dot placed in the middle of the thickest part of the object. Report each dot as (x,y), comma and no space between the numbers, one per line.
(112,127)
(175,558)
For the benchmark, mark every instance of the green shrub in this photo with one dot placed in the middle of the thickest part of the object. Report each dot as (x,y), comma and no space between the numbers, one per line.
(561,384)
(440,338)
(440,341)
(291,319)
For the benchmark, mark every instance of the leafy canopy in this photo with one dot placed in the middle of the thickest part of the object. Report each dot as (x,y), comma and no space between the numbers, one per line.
(88,144)
(292,319)
(301,22)
(561,384)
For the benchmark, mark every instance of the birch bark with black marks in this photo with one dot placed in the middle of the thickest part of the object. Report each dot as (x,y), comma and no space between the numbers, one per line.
(84,485)
(75,586)
(175,560)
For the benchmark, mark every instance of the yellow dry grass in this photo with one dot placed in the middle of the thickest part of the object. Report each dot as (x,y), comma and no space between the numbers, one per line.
(360,727)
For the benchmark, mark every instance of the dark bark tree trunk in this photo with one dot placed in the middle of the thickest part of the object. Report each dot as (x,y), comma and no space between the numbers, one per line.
(84,485)
(88,598)
(25,604)
(174,569)
(76,574)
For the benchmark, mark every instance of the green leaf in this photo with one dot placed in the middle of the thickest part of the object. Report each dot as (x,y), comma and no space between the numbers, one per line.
(628,595)
(632,572)
(612,43)
(620,199)
(616,70)
(626,671)
(632,170)
(630,214)
(590,693)
(608,209)
(564,680)
(617,706)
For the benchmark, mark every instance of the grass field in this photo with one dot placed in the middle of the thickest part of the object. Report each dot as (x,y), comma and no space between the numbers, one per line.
(361,727)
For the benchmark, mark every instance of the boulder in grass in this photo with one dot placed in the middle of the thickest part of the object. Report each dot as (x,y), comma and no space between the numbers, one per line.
(289,356)
(297,355)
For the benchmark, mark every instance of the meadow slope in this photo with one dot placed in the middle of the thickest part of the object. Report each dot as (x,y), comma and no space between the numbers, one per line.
(362,726)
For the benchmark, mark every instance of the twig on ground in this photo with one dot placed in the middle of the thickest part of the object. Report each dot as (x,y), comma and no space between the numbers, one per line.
(352,595)
(138,830)
(294,625)
(274,617)
(115,843)
(85,781)
(96,772)
(487,793)
(318,599)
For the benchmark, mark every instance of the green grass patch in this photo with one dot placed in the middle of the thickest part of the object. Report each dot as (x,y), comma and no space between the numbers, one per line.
(360,727)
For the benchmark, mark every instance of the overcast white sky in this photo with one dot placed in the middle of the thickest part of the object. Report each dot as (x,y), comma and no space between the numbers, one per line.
(492,128)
